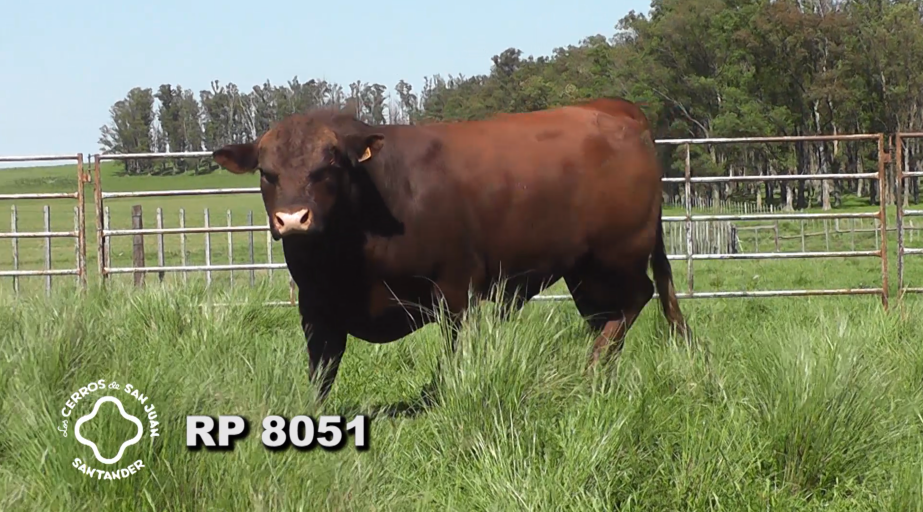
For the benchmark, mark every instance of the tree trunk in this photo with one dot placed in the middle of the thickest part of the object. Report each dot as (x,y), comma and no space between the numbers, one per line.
(823,167)
(728,187)
(801,162)
(770,185)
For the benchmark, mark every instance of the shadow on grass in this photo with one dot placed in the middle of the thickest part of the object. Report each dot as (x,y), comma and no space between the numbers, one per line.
(407,409)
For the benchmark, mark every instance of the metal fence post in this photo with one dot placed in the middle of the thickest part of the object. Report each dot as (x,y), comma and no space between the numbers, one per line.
(100,234)
(14,227)
(899,162)
(208,251)
(160,247)
(81,224)
(882,215)
(250,240)
(182,241)
(689,244)
(46,215)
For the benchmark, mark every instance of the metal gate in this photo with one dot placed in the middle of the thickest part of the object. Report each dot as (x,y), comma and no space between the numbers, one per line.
(902,213)
(104,233)
(78,233)
(688,219)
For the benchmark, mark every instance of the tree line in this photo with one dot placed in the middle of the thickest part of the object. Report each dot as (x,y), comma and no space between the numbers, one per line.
(700,68)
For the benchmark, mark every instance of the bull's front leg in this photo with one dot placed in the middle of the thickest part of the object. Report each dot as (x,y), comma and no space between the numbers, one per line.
(325,345)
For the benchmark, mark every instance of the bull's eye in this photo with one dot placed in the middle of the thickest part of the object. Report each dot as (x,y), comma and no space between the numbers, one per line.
(270,178)
(318,175)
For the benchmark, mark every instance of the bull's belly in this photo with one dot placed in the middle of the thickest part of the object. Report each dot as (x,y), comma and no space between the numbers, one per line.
(384,312)
(391,310)
(390,325)
(526,284)
(393,322)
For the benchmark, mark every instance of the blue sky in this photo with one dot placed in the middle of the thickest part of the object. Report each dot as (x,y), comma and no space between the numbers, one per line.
(65,63)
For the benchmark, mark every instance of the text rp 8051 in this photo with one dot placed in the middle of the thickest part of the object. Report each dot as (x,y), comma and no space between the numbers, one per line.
(302,432)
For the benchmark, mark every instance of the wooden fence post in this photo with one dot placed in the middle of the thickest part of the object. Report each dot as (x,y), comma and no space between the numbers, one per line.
(776,233)
(137,244)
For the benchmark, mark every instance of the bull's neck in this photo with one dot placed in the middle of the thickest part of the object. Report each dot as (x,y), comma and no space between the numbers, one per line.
(390,176)
(385,191)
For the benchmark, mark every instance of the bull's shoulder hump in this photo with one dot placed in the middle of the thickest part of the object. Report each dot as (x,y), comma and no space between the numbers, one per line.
(619,129)
(618,126)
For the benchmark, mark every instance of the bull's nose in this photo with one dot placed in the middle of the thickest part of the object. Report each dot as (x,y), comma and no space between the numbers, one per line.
(292,222)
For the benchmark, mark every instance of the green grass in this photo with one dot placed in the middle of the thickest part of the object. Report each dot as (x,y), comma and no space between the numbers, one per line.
(809,404)
(801,404)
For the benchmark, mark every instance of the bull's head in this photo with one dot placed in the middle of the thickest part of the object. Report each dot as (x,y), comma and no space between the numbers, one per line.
(303,163)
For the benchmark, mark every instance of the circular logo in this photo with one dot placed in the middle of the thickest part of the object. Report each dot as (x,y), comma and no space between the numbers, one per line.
(109,421)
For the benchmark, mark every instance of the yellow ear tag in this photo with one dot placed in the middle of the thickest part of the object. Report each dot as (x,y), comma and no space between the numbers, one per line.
(366,155)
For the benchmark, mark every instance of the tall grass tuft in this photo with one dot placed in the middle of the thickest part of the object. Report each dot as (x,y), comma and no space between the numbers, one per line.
(801,404)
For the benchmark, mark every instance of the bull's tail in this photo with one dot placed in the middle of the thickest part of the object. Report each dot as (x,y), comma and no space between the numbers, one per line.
(663,280)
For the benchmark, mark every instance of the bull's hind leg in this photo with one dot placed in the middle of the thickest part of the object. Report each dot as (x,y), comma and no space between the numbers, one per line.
(610,301)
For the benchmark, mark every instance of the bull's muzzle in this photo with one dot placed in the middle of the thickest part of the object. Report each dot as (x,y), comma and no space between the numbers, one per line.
(287,223)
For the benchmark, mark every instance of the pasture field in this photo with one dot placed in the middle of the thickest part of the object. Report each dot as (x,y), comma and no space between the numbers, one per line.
(783,404)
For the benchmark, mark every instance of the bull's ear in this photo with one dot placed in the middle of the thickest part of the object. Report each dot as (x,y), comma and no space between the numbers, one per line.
(237,158)
(362,147)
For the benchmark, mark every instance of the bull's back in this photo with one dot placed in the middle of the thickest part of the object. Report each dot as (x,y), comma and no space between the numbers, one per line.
(550,184)
(618,107)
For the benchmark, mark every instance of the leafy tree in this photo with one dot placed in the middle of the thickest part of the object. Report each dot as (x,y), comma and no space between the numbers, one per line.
(131,129)
(699,68)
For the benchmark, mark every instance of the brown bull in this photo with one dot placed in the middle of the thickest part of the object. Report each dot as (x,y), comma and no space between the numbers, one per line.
(375,220)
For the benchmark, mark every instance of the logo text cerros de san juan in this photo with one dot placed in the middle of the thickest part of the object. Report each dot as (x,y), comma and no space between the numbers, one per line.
(97,399)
